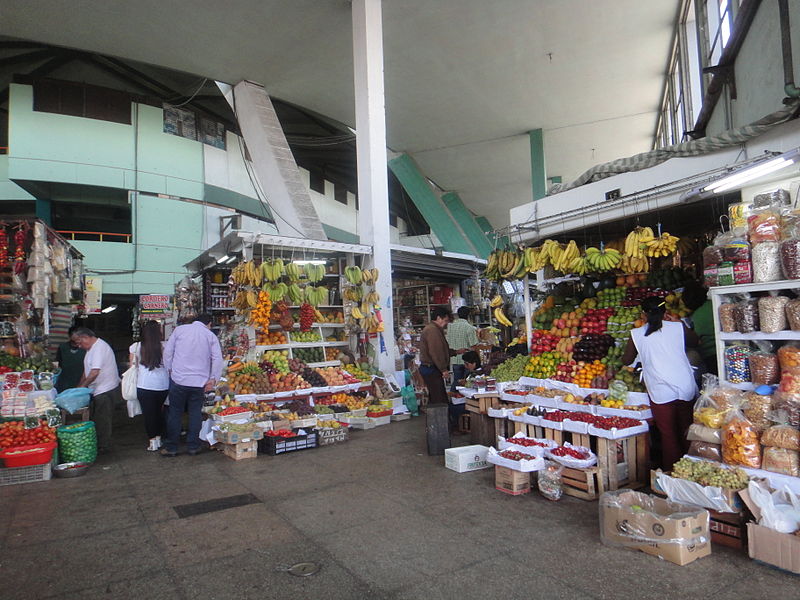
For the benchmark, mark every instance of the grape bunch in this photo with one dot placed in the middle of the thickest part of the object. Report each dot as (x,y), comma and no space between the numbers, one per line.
(511,369)
(709,473)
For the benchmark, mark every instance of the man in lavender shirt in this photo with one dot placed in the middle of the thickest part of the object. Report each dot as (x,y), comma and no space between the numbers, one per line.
(193,358)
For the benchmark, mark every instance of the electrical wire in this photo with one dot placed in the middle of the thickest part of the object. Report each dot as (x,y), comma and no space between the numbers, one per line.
(197,91)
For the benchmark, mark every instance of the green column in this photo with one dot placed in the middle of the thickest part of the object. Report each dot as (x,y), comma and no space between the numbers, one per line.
(538,177)
(44,210)
(467,223)
(429,205)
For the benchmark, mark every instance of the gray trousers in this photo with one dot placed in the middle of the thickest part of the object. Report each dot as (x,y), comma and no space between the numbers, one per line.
(102,411)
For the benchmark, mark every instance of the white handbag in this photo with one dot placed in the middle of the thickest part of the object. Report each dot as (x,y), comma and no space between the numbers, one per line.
(129,381)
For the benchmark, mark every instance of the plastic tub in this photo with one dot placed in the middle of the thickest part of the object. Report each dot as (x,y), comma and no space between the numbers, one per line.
(28,456)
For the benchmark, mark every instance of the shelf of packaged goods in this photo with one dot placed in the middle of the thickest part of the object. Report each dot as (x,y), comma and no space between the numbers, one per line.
(760,335)
(222,308)
(785,284)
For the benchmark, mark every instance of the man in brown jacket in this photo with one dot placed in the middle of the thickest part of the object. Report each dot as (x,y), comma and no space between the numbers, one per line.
(434,355)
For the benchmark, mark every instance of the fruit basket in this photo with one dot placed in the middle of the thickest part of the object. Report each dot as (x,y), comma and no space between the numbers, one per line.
(28,456)
(273,446)
(382,413)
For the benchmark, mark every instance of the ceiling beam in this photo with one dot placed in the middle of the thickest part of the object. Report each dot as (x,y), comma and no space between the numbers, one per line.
(27,57)
(61,58)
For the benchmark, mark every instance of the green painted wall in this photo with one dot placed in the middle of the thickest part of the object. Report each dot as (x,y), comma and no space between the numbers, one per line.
(8,189)
(160,251)
(538,173)
(222,197)
(467,223)
(339,235)
(429,205)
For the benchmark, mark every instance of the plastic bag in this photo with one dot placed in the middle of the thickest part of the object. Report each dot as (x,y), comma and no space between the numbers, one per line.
(409,395)
(757,409)
(790,406)
(772,313)
(74,399)
(764,226)
(701,433)
(780,510)
(134,408)
(737,363)
(572,461)
(781,460)
(745,314)
(790,258)
(549,481)
(77,443)
(727,322)
(789,358)
(764,368)
(706,450)
(695,494)
(712,255)
(709,413)
(781,435)
(767,262)
(793,314)
(740,441)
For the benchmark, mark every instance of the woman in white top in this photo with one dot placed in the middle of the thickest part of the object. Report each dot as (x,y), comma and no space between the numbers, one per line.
(668,376)
(152,380)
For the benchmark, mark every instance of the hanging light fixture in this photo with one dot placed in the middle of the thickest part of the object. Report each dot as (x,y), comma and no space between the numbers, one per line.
(742,176)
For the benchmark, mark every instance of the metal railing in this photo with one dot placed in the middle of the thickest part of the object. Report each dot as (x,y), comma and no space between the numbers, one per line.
(97,236)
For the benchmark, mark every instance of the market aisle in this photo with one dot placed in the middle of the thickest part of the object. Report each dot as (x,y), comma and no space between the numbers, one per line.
(383,519)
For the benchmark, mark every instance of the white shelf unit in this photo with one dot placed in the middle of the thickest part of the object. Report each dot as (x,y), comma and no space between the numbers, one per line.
(720,293)
(291,345)
(401,310)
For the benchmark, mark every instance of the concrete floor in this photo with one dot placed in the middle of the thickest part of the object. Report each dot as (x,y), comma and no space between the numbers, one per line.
(382,518)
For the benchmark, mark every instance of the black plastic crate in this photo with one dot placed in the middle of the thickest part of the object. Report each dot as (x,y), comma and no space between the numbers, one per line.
(273,446)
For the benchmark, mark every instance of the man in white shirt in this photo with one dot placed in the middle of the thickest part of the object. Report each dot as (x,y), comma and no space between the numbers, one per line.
(101,375)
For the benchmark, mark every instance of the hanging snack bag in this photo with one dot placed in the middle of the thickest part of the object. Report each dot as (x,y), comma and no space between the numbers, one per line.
(708,414)
(740,441)
(772,313)
(790,405)
(764,226)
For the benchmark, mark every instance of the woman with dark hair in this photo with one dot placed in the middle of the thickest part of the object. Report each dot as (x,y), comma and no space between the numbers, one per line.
(661,345)
(152,380)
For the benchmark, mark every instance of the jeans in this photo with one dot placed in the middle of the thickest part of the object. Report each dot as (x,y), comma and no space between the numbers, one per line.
(459,372)
(152,402)
(437,392)
(182,398)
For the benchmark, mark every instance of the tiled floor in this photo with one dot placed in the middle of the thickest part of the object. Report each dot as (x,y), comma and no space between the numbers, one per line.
(381,517)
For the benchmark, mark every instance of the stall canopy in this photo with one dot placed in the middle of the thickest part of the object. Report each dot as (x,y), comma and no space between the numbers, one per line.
(422,262)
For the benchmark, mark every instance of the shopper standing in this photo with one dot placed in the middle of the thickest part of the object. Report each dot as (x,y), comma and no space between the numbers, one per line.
(667,374)
(434,356)
(70,360)
(152,380)
(460,334)
(193,358)
(101,375)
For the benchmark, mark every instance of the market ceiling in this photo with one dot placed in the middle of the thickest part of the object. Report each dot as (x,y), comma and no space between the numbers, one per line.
(465,79)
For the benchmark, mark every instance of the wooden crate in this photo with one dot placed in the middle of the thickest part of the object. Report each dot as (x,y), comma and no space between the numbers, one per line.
(554,434)
(480,403)
(481,430)
(635,452)
(586,484)
(729,529)
(464,421)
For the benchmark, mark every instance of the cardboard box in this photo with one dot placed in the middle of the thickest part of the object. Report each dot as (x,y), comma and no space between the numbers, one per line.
(241,451)
(466,458)
(778,549)
(680,539)
(511,482)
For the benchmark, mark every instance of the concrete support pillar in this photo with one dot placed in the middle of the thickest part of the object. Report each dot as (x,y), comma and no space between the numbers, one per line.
(373,185)
(538,173)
